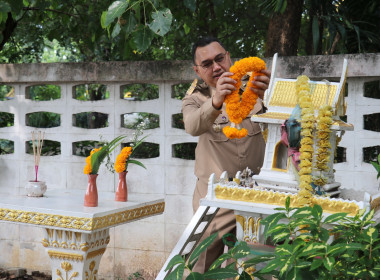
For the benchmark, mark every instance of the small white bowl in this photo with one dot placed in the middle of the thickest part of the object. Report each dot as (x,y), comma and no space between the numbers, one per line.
(35,189)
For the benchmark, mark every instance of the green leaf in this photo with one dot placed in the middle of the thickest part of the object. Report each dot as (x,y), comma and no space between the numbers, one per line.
(287,203)
(190,4)
(162,20)
(103,19)
(355,246)
(367,219)
(257,260)
(286,265)
(241,250)
(312,248)
(315,32)
(195,276)
(116,9)
(329,262)
(116,30)
(186,28)
(280,236)
(143,39)
(220,260)
(334,218)
(202,247)
(302,212)
(317,212)
(336,249)
(317,262)
(372,233)
(177,259)
(136,162)
(177,273)
(220,273)
(272,265)
(294,274)
(130,23)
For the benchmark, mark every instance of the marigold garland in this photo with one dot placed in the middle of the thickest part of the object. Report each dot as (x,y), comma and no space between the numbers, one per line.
(306,149)
(121,159)
(238,107)
(88,169)
(323,143)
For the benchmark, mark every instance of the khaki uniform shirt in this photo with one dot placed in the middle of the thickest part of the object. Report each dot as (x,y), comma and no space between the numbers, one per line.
(216,153)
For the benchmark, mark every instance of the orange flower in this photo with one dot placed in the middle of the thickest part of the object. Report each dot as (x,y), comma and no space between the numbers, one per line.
(88,169)
(238,109)
(121,159)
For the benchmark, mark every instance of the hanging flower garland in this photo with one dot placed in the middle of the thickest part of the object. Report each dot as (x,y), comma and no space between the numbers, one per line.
(323,143)
(306,149)
(238,107)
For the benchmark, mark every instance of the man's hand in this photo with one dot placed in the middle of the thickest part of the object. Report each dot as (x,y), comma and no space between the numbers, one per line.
(262,83)
(224,86)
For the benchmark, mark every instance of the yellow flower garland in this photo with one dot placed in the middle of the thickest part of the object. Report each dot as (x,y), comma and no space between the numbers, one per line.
(122,158)
(238,107)
(306,149)
(324,146)
(88,169)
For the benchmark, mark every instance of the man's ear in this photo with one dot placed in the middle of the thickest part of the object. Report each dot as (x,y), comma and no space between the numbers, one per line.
(196,70)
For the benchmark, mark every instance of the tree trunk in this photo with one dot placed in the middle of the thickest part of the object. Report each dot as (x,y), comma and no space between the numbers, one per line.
(10,26)
(284,30)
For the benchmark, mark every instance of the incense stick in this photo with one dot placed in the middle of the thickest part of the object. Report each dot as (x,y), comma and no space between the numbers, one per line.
(37,148)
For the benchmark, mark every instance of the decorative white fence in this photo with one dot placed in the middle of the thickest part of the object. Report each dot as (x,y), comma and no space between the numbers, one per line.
(144,245)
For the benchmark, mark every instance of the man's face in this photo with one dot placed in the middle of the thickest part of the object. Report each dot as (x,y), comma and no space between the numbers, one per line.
(211,62)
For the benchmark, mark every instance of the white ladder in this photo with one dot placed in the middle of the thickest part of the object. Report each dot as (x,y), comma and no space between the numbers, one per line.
(191,236)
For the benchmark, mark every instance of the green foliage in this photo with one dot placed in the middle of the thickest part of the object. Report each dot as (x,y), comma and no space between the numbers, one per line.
(377,166)
(6,147)
(98,157)
(6,119)
(91,92)
(49,148)
(132,20)
(43,92)
(43,119)
(184,150)
(6,92)
(140,92)
(308,246)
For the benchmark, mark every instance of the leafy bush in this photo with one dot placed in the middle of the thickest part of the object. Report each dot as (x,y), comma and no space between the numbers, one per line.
(308,246)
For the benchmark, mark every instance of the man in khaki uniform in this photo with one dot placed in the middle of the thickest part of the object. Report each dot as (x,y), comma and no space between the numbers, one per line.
(204,115)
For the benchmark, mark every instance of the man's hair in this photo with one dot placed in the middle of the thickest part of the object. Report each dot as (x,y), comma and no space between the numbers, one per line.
(204,41)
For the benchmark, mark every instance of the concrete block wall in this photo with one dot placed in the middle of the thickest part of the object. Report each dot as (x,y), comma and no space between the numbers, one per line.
(144,245)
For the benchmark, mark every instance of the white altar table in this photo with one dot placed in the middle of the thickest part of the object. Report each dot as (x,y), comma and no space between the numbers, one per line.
(75,237)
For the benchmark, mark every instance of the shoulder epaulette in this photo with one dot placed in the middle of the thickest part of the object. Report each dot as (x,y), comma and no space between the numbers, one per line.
(192,87)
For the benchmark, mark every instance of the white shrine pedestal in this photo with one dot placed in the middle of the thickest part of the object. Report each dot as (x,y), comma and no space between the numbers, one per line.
(76,236)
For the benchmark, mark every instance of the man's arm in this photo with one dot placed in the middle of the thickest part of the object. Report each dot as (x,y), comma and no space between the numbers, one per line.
(198,118)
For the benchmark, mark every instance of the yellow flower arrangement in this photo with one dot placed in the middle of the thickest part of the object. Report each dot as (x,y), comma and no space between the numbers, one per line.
(306,149)
(238,107)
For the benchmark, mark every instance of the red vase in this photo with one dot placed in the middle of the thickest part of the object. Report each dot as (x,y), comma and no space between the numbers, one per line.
(91,196)
(121,191)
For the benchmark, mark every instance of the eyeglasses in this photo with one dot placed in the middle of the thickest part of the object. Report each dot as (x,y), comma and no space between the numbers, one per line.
(217,59)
